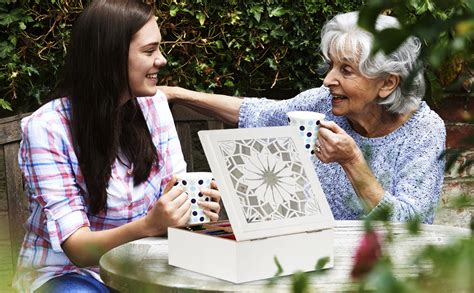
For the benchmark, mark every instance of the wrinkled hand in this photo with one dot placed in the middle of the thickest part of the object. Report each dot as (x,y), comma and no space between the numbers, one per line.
(213,207)
(170,92)
(173,209)
(335,145)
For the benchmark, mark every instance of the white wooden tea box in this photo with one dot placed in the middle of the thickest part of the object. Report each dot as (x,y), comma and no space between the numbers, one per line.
(275,204)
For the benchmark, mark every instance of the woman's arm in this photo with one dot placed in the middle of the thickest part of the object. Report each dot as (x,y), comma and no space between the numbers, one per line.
(335,145)
(416,179)
(85,247)
(222,107)
(48,164)
(366,186)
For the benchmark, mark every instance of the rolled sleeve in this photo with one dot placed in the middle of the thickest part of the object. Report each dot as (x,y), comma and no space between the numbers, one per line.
(402,209)
(388,202)
(245,112)
(62,225)
(47,168)
(262,112)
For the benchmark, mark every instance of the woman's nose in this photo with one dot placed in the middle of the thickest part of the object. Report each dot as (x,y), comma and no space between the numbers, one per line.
(330,78)
(160,61)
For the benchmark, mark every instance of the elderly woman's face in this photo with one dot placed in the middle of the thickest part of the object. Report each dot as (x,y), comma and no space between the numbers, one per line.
(353,95)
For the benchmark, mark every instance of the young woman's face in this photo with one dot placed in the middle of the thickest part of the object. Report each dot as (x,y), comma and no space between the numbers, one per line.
(144,60)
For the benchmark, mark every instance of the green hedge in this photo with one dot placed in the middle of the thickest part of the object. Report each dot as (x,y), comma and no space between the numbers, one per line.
(243,47)
(252,47)
(234,47)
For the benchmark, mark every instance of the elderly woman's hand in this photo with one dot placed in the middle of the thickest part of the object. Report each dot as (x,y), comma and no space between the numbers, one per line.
(171,92)
(335,145)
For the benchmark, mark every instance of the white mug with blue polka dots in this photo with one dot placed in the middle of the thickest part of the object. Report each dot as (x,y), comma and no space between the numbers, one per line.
(193,183)
(305,122)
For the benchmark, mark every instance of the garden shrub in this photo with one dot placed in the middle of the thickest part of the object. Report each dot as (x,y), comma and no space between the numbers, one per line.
(232,47)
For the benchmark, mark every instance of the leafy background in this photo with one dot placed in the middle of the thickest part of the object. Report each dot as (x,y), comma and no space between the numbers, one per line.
(236,47)
(257,48)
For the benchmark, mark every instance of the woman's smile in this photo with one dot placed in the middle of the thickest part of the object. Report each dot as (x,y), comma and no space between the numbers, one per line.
(145,60)
(153,76)
(337,99)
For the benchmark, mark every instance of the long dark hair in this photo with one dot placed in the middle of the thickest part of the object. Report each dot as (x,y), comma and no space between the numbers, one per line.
(95,76)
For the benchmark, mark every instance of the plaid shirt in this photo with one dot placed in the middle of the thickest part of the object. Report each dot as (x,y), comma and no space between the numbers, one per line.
(58,194)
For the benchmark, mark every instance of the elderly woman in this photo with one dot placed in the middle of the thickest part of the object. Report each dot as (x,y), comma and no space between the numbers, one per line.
(379,146)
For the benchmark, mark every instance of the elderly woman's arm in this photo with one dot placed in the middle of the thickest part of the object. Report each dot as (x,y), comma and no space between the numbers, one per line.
(222,107)
(335,145)
(417,175)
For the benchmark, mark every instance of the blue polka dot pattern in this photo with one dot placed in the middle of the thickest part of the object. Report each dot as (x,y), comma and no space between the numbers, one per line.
(308,129)
(192,185)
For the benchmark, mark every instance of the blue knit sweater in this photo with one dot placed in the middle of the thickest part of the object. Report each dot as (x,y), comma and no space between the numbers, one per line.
(406,162)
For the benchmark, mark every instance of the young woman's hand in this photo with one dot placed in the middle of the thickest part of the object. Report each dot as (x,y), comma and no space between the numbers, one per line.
(85,247)
(173,209)
(212,207)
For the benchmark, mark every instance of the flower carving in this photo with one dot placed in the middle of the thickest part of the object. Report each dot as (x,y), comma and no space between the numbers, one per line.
(269,177)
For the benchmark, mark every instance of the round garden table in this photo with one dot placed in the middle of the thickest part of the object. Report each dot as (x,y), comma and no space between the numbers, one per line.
(142,265)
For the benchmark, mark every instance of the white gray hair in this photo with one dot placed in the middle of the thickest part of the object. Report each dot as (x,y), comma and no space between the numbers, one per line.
(342,31)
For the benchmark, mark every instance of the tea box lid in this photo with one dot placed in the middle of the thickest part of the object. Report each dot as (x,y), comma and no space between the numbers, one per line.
(267,181)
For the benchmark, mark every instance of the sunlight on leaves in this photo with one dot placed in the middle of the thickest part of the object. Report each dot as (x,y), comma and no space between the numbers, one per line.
(277,12)
(201,17)
(5,105)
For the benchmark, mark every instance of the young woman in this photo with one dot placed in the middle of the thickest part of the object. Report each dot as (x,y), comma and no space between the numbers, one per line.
(99,160)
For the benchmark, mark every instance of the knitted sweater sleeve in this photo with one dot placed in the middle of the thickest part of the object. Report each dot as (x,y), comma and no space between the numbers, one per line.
(262,112)
(418,175)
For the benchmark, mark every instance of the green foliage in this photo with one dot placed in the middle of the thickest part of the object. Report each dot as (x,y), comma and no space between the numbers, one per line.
(413,225)
(299,283)
(278,265)
(233,47)
(322,263)
(446,29)
(445,268)
(244,47)
(34,35)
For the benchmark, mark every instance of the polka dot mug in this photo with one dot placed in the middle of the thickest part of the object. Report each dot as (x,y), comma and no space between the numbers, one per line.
(305,122)
(192,183)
